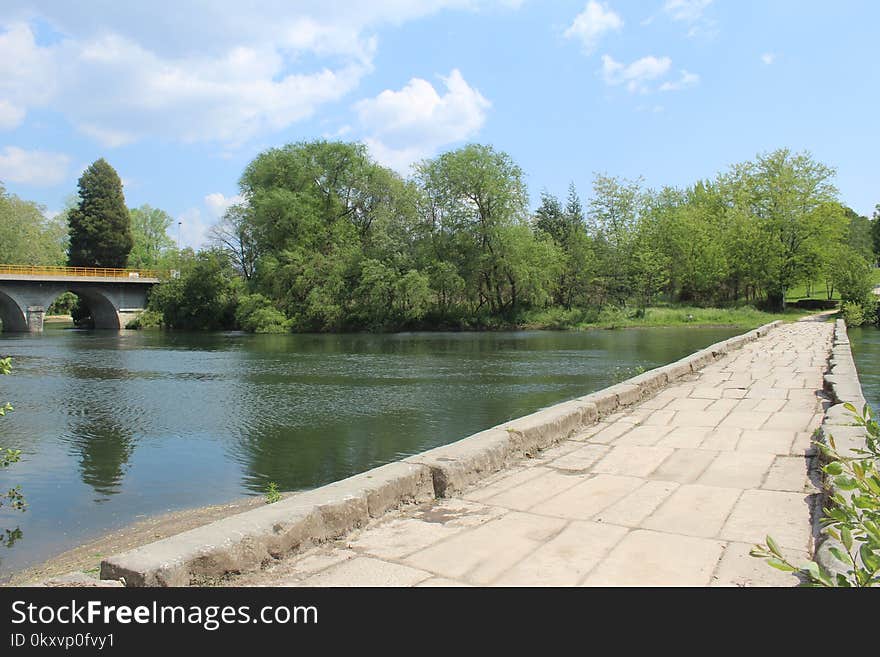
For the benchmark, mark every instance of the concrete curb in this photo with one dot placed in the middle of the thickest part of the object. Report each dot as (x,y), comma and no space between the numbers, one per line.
(842,383)
(249,540)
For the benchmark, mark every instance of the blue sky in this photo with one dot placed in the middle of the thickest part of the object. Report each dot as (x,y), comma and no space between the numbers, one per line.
(180,96)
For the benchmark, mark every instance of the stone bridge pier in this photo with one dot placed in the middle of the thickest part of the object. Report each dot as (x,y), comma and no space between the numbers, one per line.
(25,299)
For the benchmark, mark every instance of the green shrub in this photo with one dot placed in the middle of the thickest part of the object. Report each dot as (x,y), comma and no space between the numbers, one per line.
(63,305)
(147,319)
(853,313)
(852,517)
(612,316)
(257,314)
(861,312)
(203,297)
(13,497)
(272,493)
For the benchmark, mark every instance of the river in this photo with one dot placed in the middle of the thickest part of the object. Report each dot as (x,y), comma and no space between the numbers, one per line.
(115,427)
(865,345)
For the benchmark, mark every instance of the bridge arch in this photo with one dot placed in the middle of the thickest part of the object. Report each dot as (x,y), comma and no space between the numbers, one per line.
(105,315)
(12,315)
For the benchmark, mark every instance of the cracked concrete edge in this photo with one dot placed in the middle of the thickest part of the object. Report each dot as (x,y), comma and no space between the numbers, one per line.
(843,385)
(248,540)
(251,539)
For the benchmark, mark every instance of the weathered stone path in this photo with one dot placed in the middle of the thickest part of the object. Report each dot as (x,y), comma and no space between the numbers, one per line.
(674,491)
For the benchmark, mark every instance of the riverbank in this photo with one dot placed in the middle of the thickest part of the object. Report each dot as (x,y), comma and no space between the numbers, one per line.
(661,316)
(86,558)
(584,319)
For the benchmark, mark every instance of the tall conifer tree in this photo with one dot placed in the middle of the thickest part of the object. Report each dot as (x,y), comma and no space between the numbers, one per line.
(100,225)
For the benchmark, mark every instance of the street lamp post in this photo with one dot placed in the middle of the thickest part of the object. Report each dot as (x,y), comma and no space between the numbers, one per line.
(178,235)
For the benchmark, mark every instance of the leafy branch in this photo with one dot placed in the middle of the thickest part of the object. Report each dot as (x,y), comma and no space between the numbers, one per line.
(852,517)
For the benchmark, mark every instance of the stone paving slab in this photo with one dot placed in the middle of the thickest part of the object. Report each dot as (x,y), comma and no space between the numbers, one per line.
(673,491)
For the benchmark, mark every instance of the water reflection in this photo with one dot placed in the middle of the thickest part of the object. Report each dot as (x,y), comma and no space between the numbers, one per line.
(104,447)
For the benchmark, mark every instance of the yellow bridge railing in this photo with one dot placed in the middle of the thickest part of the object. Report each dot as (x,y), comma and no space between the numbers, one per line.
(103,272)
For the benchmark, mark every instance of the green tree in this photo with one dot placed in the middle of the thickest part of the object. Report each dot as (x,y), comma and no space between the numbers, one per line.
(851,275)
(27,237)
(858,234)
(234,233)
(612,218)
(550,218)
(875,232)
(474,193)
(793,198)
(203,297)
(150,240)
(100,225)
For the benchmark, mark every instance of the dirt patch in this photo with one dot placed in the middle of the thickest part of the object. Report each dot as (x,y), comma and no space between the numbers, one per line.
(87,558)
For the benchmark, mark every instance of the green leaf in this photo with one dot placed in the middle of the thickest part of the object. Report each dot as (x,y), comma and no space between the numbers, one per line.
(781,565)
(834,468)
(846,538)
(870,558)
(845,483)
(839,555)
(774,548)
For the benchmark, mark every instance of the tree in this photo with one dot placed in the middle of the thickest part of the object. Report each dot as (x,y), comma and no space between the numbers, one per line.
(27,237)
(474,193)
(613,216)
(149,228)
(794,201)
(851,275)
(204,297)
(234,233)
(100,225)
(550,218)
(858,233)
(875,232)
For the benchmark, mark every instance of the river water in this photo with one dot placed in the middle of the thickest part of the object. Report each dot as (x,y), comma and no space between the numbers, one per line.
(865,345)
(115,427)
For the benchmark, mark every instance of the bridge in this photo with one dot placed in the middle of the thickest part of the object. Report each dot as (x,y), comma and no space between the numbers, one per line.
(114,296)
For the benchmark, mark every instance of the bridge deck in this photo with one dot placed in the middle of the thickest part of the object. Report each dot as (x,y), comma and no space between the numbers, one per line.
(77,274)
(673,492)
(50,278)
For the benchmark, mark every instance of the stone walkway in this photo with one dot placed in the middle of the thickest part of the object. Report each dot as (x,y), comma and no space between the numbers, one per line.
(675,491)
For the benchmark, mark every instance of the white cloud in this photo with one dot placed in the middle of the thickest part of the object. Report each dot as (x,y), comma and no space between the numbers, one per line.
(220,71)
(592,23)
(197,221)
(691,13)
(37,168)
(685,81)
(192,228)
(636,75)
(27,75)
(688,11)
(768,58)
(11,115)
(217,203)
(413,123)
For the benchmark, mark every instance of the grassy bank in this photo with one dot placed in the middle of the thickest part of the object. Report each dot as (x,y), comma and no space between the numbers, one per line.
(745,318)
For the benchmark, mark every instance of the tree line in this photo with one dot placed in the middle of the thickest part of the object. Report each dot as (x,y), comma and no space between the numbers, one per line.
(327,239)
